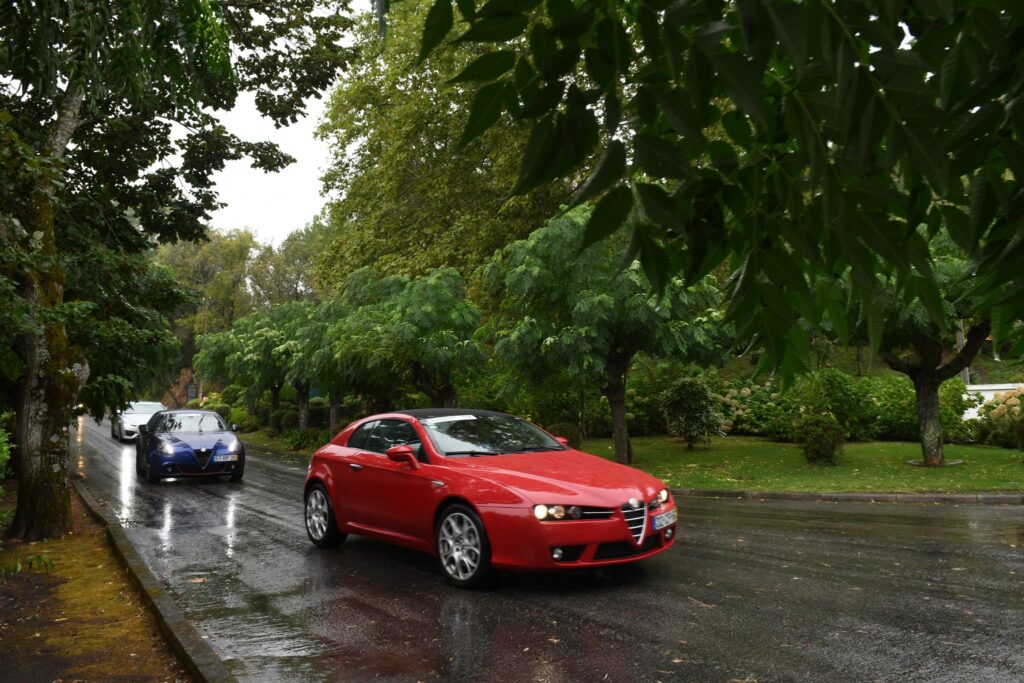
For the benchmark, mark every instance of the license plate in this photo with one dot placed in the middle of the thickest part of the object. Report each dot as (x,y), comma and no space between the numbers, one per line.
(225,457)
(665,519)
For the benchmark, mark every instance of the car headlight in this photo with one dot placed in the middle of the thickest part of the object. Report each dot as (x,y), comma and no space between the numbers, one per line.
(546,512)
(168,449)
(663,496)
(233,446)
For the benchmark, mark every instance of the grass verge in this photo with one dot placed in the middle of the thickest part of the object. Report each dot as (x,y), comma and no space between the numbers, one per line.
(78,618)
(754,464)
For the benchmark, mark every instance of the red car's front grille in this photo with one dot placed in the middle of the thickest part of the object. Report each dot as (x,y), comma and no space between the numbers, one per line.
(636,520)
(620,549)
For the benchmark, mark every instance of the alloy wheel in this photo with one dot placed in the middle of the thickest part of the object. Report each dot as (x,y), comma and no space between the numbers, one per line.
(459,544)
(316,514)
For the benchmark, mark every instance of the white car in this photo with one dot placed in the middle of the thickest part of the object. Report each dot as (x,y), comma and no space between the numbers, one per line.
(124,426)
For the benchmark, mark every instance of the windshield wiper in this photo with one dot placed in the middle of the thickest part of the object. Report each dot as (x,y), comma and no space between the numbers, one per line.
(474,454)
(532,449)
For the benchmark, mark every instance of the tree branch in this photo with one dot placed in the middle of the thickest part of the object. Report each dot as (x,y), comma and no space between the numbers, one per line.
(975,338)
(898,364)
(68,119)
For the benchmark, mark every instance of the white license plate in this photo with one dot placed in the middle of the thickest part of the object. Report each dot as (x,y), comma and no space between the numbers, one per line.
(665,519)
(225,457)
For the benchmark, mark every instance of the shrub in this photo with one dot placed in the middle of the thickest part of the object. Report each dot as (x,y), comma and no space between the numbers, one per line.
(305,439)
(290,419)
(821,438)
(263,413)
(222,409)
(245,421)
(277,420)
(691,411)
(232,394)
(5,449)
(194,403)
(840,395)
(895,408)
(1001,421)
(319,412)
(569,431)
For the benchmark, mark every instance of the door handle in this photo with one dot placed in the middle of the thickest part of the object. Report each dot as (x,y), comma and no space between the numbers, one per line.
(355,466)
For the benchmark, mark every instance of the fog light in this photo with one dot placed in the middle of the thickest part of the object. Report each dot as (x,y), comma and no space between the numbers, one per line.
(575,512)
(556,553)
(668,533)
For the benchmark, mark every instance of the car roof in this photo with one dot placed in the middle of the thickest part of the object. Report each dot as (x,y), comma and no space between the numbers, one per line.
(189,410)
(426,413)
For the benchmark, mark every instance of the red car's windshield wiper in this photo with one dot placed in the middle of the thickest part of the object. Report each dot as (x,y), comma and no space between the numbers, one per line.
(471,453)
(534,449)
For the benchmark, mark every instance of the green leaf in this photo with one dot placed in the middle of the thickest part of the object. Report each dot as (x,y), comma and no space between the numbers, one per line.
(609,214)
(742,82)
(614,42)
(659,207)
(487,67)
(497,7)
(467,8)
(536,155)
(678,111)
(661,158)
(484,112)
(440,20)
(497,29)
(929,157)
(610,167)
(738,129)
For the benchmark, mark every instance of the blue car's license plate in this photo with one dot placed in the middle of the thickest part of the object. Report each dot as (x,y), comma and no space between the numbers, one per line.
(665,519)
(225,457)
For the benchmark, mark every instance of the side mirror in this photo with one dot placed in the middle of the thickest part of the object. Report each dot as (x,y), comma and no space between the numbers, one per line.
(562,440)
(403,453)
(234,428)
(144,429)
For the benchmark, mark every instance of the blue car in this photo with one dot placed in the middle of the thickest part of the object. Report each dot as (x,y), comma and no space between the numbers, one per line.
(188,443)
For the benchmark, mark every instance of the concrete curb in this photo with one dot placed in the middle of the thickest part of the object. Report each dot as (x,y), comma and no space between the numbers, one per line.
(951,498)
(196,654)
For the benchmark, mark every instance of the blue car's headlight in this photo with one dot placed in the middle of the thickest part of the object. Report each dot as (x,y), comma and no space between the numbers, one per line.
(168,449)
(233,446)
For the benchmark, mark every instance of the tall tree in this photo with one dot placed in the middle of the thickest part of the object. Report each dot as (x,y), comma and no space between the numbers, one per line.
(407,196)
(285,273)
(99,93)
(848,124)
(565,307)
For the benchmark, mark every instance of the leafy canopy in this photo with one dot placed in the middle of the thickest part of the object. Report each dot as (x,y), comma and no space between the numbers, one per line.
(799,141)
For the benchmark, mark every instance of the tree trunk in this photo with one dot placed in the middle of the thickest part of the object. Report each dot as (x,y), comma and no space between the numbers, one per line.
(926,387)
(275,397)
(928,373)
(442,393)
(335,412)
(303,391)
(616,367)
(54,371)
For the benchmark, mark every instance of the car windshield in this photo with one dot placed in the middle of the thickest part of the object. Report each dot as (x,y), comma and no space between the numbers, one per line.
(143,408)
(477,435)
(192,422)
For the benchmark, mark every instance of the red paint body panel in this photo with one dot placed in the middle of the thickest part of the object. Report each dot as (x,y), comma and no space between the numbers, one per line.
(375,496)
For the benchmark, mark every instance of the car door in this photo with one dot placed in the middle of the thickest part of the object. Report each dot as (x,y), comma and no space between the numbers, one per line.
(346,466)
(392,496)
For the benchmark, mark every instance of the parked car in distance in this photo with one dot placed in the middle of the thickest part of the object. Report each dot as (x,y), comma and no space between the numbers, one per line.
(188,443)
(482,490)
(124,425)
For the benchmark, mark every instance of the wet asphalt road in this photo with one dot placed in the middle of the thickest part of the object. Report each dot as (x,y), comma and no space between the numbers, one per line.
(752,591)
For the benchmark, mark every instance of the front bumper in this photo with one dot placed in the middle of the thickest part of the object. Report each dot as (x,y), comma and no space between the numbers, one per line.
(129,432)
(519,541)
(189,465)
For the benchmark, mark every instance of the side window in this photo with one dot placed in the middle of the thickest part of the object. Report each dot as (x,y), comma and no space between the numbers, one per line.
(359,437)
(392,433)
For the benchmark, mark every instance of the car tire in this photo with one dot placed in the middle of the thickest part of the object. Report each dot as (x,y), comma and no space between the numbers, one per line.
(463,549)
(236,474)
(113,434)
(321,526)
(151,476)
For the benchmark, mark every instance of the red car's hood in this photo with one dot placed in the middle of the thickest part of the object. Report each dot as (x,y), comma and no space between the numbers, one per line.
(568,477)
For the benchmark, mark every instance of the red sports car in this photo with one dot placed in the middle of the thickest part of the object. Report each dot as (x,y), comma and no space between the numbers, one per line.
(483,490)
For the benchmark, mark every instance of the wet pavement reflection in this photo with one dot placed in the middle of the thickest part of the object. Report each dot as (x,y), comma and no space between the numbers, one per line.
(752,590)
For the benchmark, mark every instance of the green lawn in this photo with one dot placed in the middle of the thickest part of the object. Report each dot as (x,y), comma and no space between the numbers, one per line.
(738,462)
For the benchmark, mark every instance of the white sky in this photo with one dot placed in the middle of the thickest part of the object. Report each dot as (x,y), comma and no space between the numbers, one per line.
(272,204)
